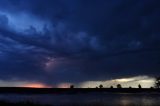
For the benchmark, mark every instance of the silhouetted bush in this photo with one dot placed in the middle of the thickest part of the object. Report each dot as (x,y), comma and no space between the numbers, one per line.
(139,86)
(151,87)
(111,86)
(119,86)
(100,86)
(71,86)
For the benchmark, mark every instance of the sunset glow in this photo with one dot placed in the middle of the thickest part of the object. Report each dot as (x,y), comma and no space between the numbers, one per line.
(36,85)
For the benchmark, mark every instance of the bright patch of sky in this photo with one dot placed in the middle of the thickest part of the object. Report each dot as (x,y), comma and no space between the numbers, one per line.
(145,81)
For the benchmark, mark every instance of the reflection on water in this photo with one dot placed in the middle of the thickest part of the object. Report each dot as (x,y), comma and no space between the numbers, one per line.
(139,99)
(124,101)
(105,99)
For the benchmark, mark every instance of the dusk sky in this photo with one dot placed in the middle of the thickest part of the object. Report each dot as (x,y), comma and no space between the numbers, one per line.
(55,43)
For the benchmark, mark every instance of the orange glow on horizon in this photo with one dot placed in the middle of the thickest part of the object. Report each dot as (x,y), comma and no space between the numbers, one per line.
(36,85)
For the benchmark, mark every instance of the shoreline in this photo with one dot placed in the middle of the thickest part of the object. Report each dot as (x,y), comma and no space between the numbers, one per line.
(22,90)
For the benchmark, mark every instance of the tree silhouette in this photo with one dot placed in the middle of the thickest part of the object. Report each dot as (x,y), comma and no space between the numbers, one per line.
(100,86)
(111,86)
(151,87)
(119,86)
(157,82)
(139,86)
(130,87)
(71,86)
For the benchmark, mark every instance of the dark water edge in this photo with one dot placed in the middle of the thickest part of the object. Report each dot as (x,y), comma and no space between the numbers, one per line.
(21,90)
(15,96)
(5,103)
(94,99)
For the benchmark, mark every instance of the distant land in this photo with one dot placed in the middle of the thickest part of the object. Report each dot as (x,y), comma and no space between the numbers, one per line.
(24,90)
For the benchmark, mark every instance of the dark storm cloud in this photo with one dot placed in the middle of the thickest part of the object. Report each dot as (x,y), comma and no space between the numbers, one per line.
(89,39)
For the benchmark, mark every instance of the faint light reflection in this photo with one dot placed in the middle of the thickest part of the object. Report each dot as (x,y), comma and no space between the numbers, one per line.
(125,102)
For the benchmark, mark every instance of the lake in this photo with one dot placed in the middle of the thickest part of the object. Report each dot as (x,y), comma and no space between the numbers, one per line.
(111,99)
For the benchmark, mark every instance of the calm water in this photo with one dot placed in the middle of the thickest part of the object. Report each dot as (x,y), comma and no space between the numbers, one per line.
(105,99)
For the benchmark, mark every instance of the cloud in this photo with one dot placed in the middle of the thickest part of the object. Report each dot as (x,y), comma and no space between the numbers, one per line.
(22,22)
(68,41)
(3,20)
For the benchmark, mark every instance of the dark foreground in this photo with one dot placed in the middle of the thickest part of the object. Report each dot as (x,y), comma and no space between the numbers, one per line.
(79,97)
(121,99)
(5,103)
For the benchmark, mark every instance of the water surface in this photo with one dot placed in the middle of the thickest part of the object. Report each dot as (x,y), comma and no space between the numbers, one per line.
(122,99)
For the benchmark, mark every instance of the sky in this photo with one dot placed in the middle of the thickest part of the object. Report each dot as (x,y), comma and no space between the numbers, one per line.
(55,43)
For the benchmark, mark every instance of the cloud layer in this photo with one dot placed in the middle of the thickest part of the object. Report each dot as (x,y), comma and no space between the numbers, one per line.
(72,41)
